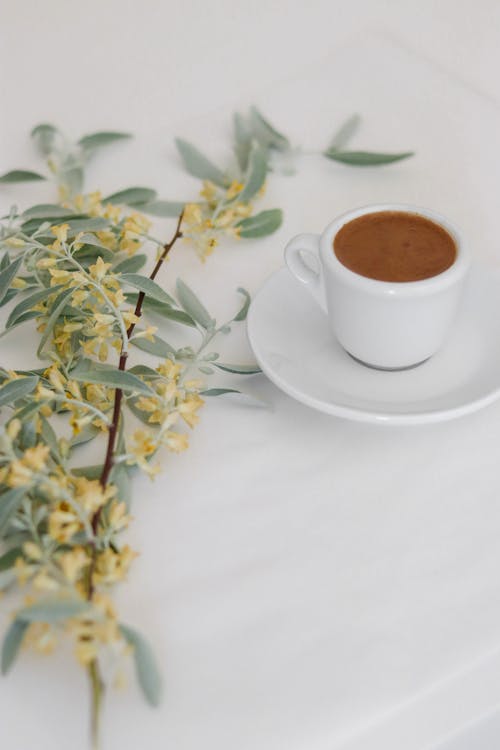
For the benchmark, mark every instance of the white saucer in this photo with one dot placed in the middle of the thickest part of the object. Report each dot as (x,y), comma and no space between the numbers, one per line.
(295,348)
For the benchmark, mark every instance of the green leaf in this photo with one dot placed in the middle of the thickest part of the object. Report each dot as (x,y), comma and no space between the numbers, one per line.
(72,177)
(256,174)
(22,319)
(10,294)
(86,225)
(150,288)
(158,346)
(198,165)
(95,140)
(242,140)
(146,371)
(50,438)
(12,643)
(261,224)
(145,665)
(21,175)
(59,304)
(45,136)
(53,609)
(131,265)
(131,196)
(167,311)
(89,472)
(47,211)
(7,276)
(28,302)
(235,395)
(242,314)
(344,133)
(90,372)
(266,134)
(88,433)
(16,389)
(366,158)
(9,504)
(239,369)
(164,209)
(8,560)
(192,305)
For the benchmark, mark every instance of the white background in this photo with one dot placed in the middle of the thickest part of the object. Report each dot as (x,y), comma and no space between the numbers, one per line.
(308,583)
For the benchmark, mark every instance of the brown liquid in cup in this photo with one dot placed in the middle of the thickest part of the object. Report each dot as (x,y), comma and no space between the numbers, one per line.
(394,246)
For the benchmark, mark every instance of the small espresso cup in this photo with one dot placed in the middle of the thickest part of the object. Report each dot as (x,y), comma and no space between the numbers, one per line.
(386,325)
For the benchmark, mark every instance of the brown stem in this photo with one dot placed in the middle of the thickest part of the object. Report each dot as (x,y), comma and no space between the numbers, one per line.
(97,685)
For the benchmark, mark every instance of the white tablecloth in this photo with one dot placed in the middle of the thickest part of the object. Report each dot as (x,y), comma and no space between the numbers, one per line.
(308,583)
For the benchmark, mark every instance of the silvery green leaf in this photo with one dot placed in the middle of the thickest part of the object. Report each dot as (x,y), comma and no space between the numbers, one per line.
(145,666)
(28,302)
(234,395)
(88,433)
(239,369)
(145,371)
(266,134)
(5,261)
(344,133)
(95,224)
(29,315)
(198,165)
(45,137)
(47,211)
(7,578)
(91,372)
(242,314)
(131,265)
(256,174)
(21,175)
(205,370)
(149,302)
(95,140)
(366,158)
(72,177)
(131,196)
(8,559)
(148,286)
(186,352)
(89,472)
(192,305)
(53,609)
(225,329)
(120,477)
(167,311)
(157,346)
(12,643)
(50,438)
(210,357)
(142,416)
(242,140)
(10,294)
(261,224)
(10,502)
(59,304)
(11,392)
(163,209)
(8,275)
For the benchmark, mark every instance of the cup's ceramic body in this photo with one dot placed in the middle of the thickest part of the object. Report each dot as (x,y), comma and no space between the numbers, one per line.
(389,325)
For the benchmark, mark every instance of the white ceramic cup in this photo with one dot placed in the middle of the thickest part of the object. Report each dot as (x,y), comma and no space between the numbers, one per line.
(387,325)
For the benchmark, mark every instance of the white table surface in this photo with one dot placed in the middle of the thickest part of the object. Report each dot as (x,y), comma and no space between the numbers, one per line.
(308,583)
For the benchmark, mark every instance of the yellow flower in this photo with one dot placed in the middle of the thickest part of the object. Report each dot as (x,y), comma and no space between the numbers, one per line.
(99,269)
(118,517)
(176,441)
(19,475)
(36,458)
(41,637)
(46,263)
(73,562)
(14,428)
(209,191)
(189,407)
(14,242)
(32,551)
(170,369)
(63,523)
(192,214)
(234,188)
(18,283)
(60,232)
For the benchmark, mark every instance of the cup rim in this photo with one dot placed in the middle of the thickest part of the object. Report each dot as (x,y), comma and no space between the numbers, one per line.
(442,280)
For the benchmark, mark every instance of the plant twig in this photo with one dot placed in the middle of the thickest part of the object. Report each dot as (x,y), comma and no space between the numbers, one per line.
(97,685)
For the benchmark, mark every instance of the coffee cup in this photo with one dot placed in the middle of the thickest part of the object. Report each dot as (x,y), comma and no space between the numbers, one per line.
(385,324)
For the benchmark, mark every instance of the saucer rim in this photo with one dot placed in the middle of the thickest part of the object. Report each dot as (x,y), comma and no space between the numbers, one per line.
(348,412)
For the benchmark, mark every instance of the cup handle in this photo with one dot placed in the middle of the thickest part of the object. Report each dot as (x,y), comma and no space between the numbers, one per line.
(307,245)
